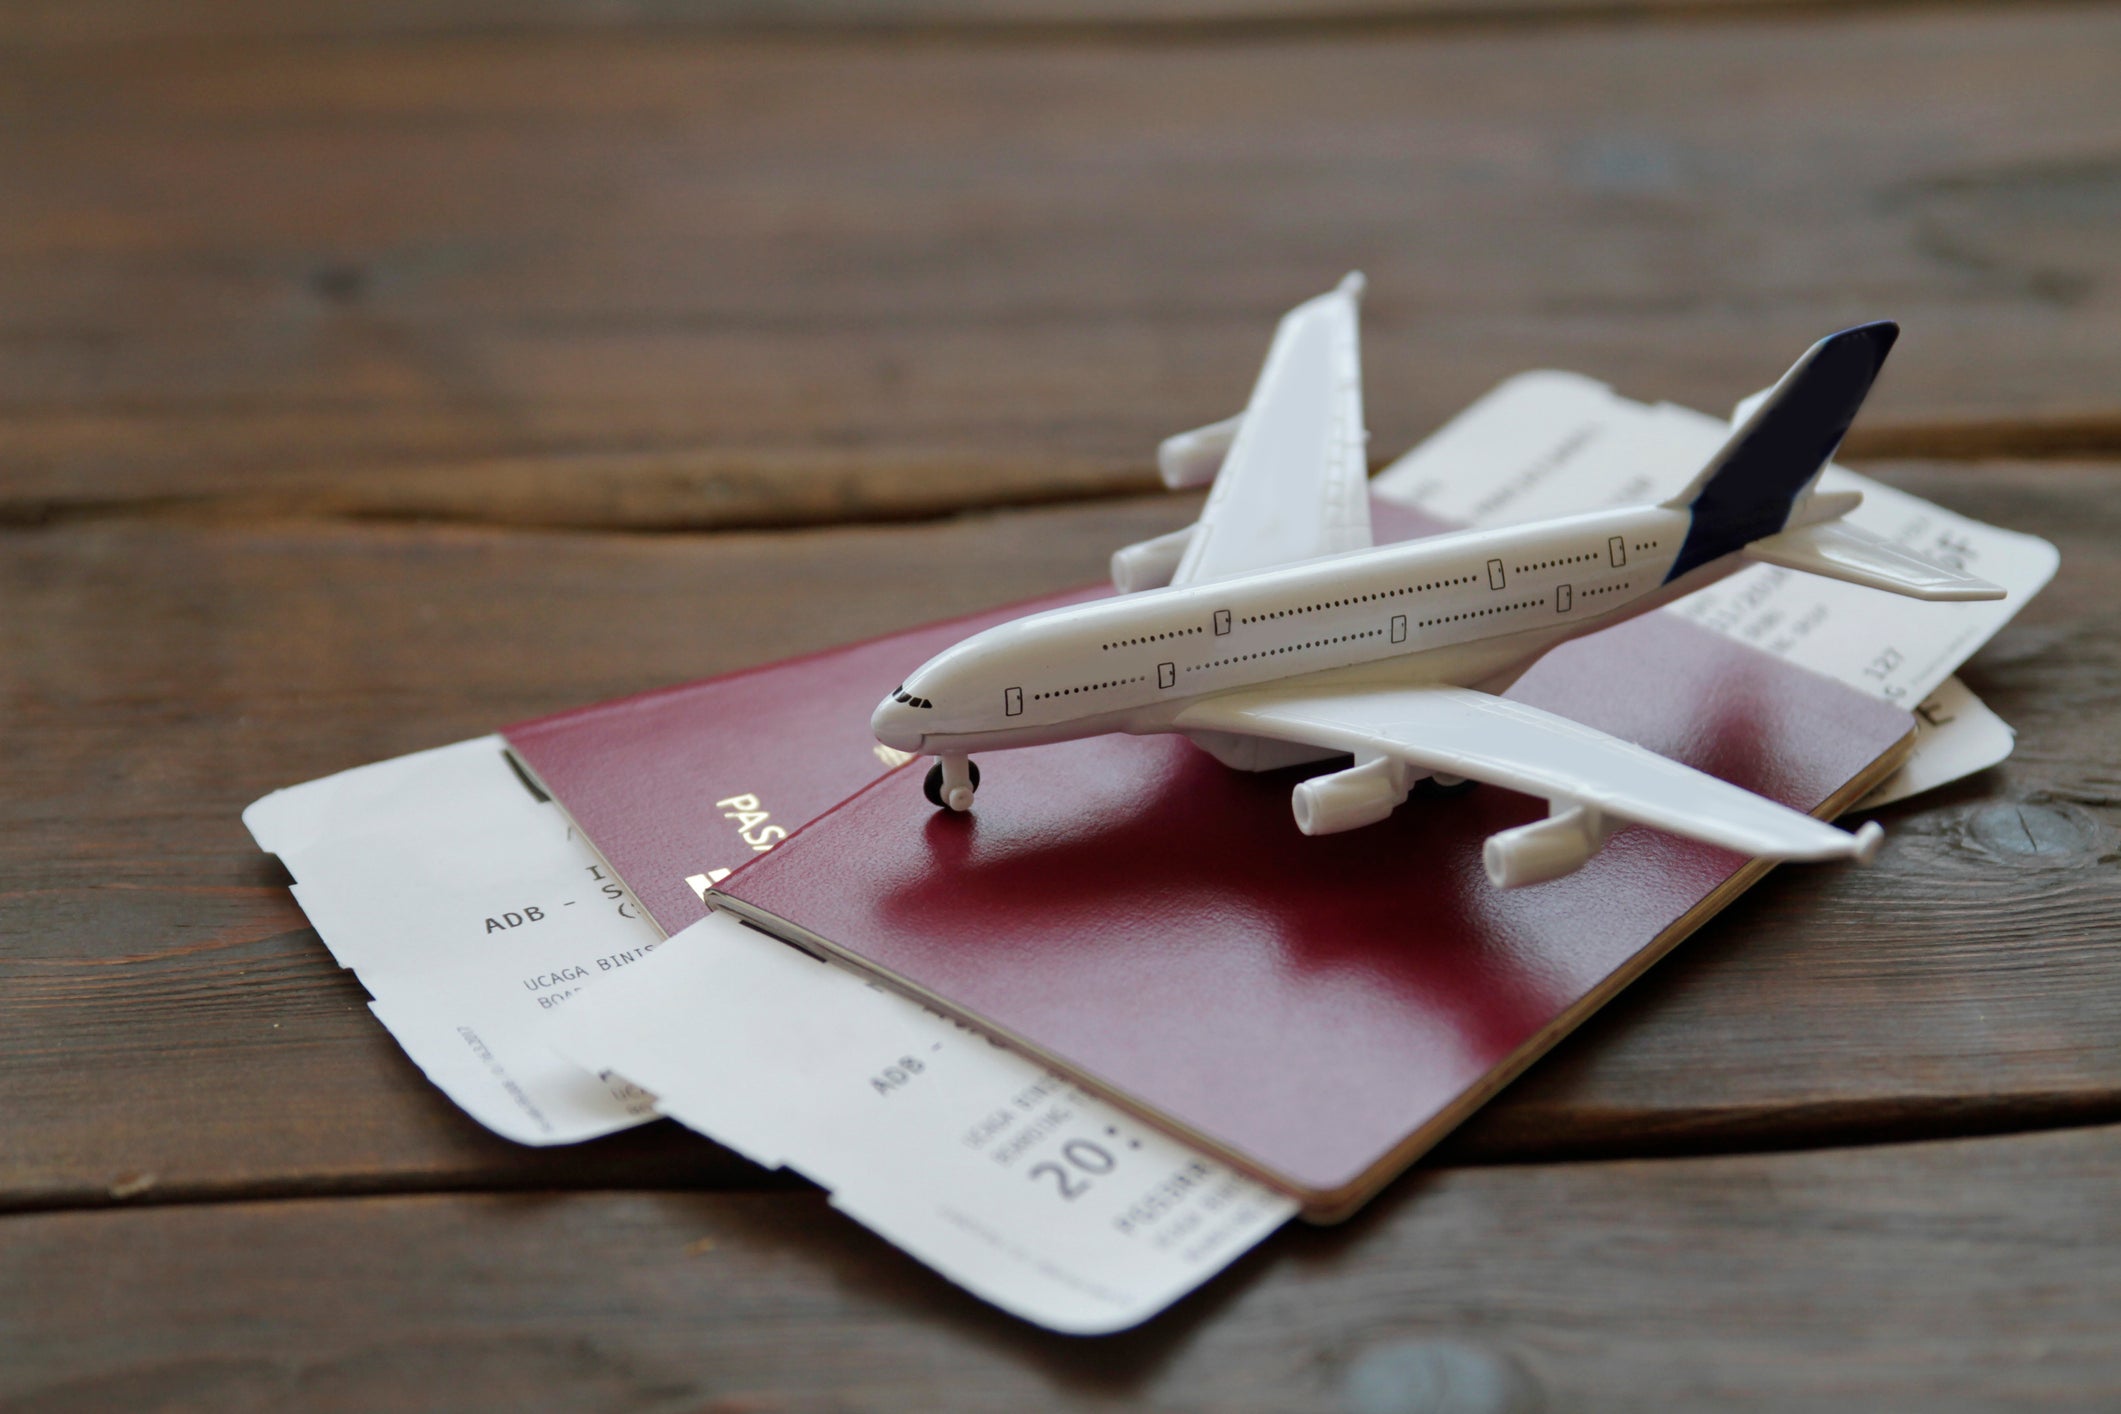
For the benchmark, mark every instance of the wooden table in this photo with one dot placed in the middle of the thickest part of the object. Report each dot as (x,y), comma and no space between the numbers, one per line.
(373,376)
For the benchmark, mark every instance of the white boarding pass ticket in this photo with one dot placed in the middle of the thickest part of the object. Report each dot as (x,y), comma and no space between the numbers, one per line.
(1046,1201)
(1955,735)
(479,921)
(1553,444)
(470,911)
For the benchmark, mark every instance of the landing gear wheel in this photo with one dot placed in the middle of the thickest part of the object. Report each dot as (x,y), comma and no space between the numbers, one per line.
(933,786)
(1445,787)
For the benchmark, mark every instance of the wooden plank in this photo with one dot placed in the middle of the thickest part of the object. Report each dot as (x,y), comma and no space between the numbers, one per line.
(1974,1274)
(663,279)
(64,22)
(159,677)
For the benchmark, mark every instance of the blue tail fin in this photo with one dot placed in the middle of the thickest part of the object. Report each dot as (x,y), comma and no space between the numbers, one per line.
(1747,489)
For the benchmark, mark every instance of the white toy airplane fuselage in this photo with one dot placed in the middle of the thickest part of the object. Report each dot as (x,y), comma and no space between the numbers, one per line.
(1473,609)
(1283,640)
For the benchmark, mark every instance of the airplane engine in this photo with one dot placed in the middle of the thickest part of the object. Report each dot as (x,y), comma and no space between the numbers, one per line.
(1545,849)
(1193,458)
(1347,800)
(1149,564)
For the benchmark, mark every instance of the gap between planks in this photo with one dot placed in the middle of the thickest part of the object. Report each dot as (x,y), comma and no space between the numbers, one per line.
(1106,22)
(1810,1130)
(528,493)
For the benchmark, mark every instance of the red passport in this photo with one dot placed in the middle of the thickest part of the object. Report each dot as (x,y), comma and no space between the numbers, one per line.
(1318,1011)
(687,782)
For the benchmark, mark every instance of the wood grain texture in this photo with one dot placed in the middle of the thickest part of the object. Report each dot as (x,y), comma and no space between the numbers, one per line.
(612,276)
(280,284)
(72,22)
(160,676)
(1975,1274)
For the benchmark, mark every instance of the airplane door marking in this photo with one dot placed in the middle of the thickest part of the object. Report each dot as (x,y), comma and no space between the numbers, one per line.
(1013,702)
(1563,597)
(1616,550)
(1399,628)
(1222,621)
(1166,674)
(1495,580)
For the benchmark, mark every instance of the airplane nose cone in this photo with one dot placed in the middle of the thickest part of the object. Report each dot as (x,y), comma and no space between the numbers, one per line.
(895,725)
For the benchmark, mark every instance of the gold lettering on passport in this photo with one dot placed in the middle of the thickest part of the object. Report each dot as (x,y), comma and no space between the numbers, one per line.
(753,827)
(753,822)
(751,818)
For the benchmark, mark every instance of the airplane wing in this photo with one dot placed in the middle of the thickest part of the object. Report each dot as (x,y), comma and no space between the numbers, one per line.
(1460,732)
(1295,482)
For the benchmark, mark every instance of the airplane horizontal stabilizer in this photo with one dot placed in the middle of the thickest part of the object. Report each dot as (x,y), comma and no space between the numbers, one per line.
(1845,552)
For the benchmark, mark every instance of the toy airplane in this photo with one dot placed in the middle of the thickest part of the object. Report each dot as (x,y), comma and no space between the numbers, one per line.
(1271,632)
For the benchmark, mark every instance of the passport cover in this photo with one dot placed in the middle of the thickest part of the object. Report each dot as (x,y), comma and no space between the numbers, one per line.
(685,781)
(1317,1011)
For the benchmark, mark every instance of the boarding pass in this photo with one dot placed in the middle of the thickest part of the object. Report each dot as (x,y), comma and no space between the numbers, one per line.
(1550,444)
(481,924)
